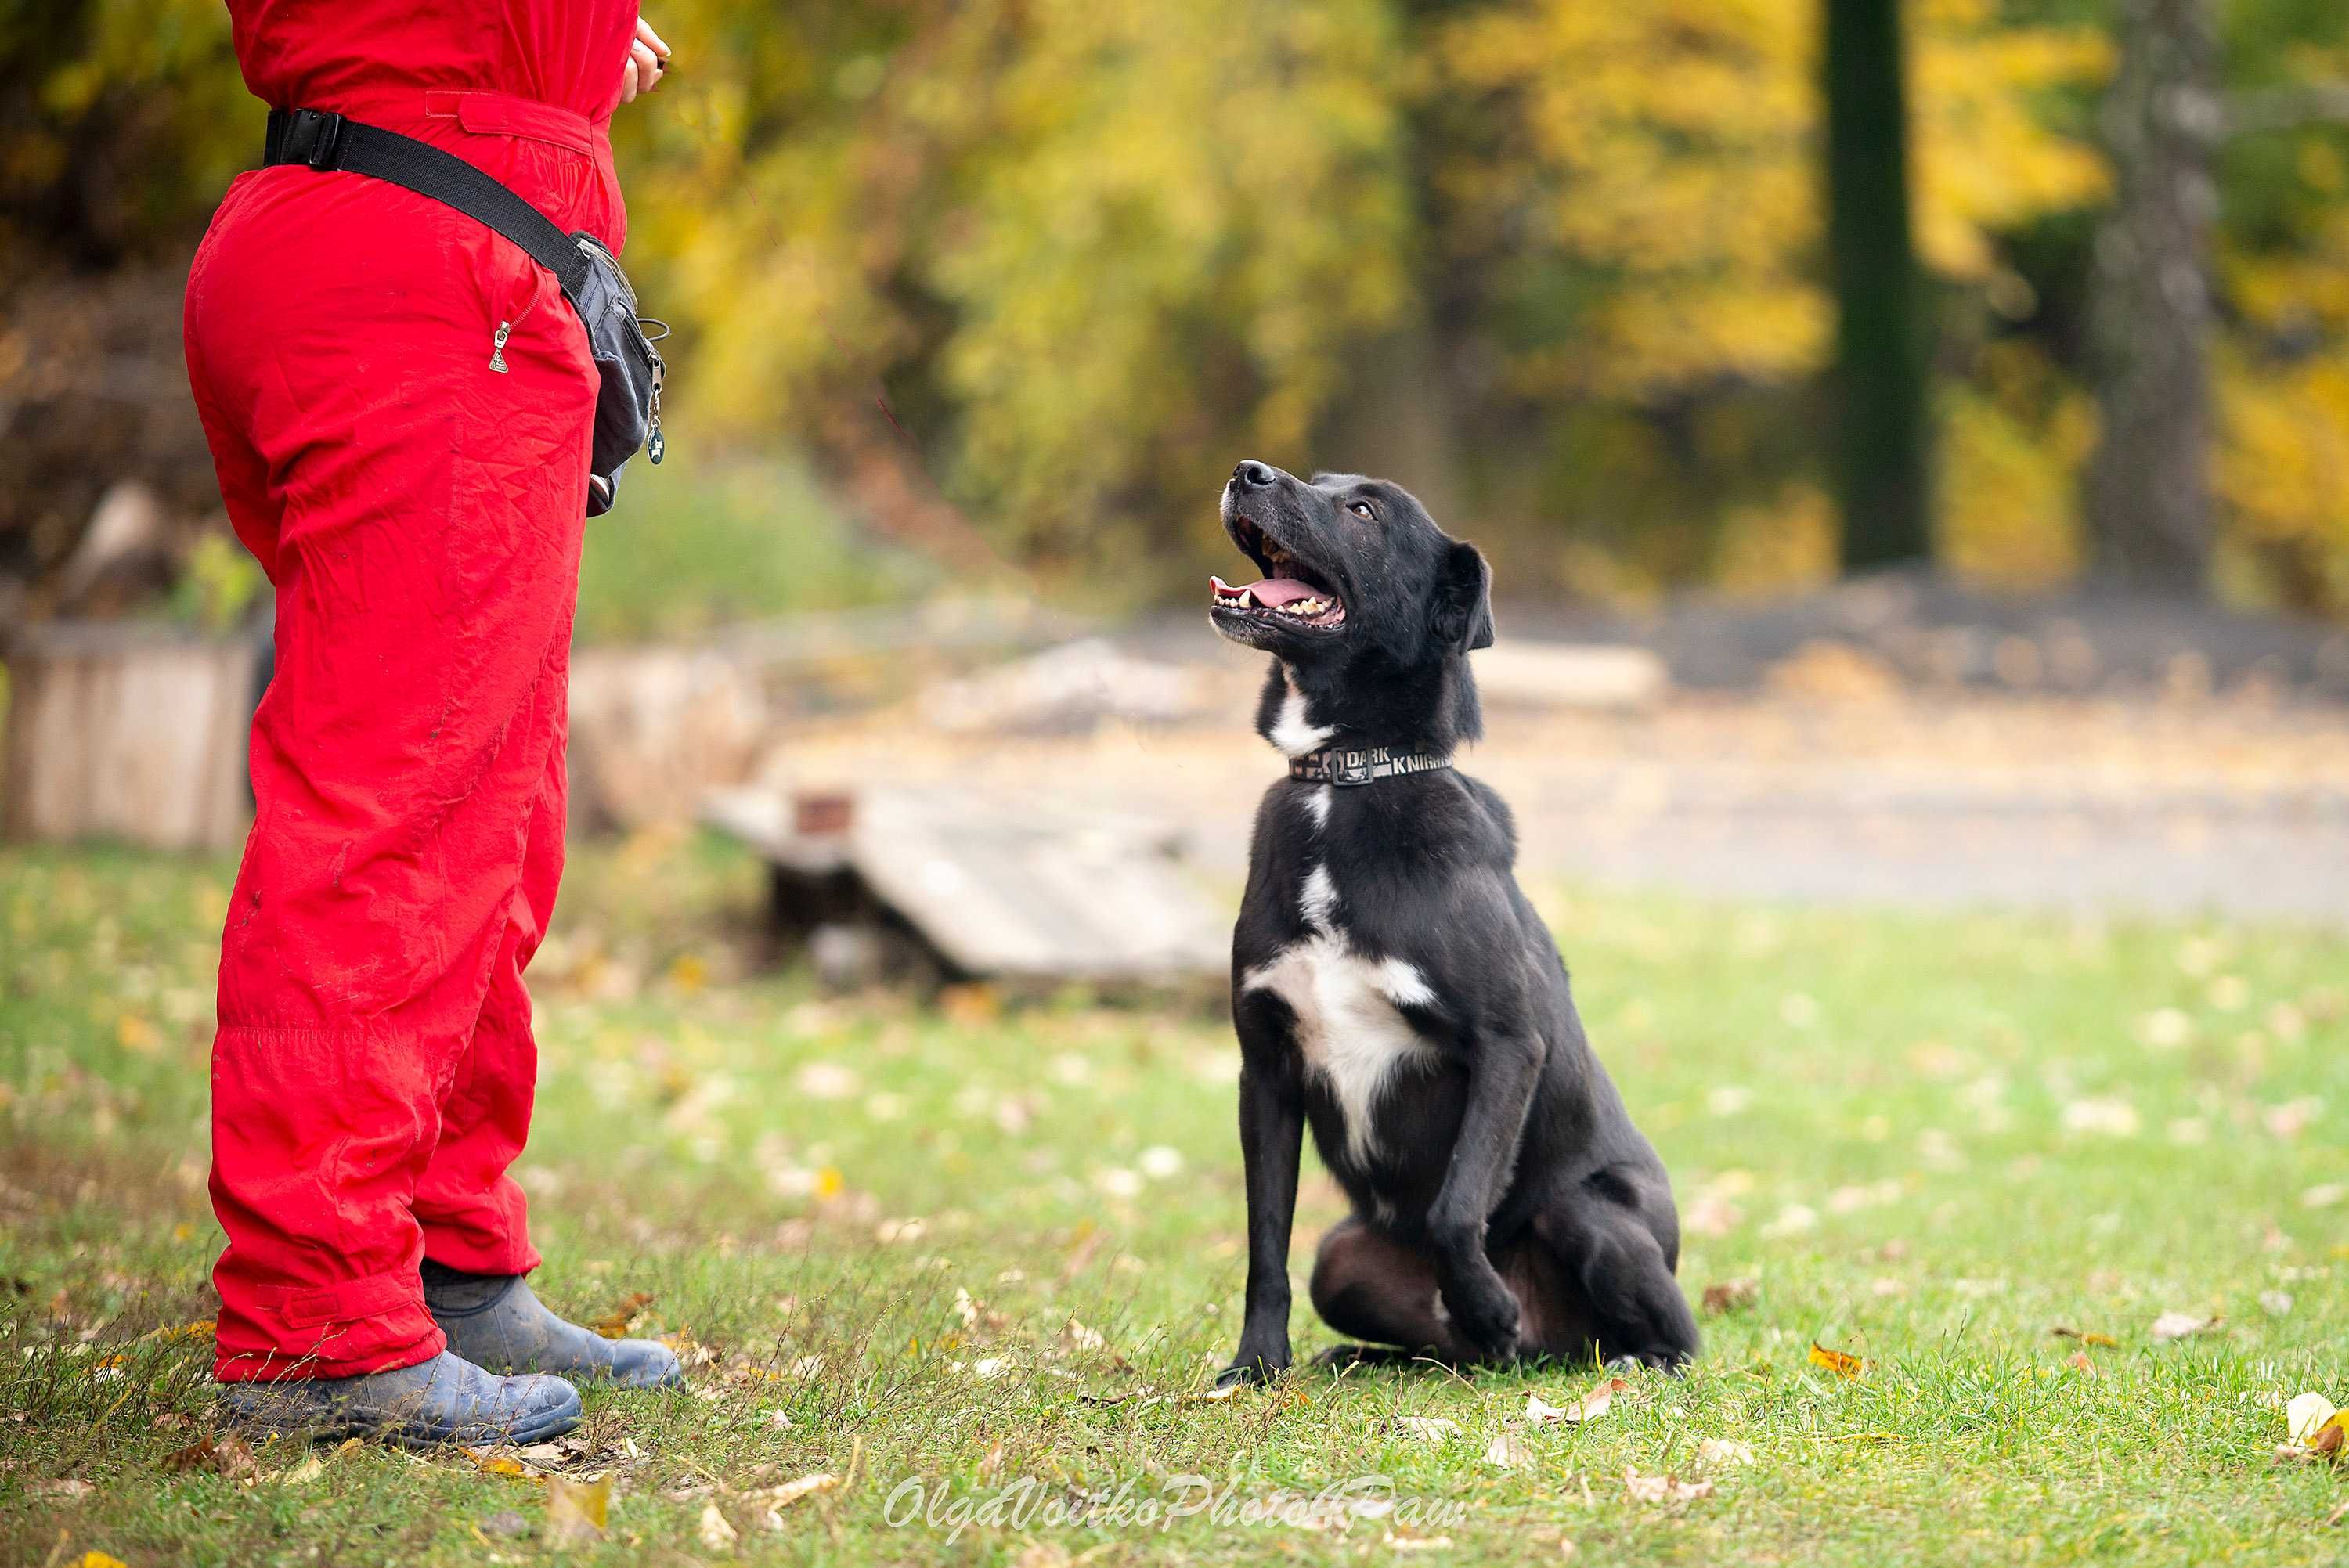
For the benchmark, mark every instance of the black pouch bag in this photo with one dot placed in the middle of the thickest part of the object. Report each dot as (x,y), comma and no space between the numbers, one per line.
(629,369)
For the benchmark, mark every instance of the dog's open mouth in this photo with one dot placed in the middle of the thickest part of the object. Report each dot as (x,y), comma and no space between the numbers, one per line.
(1290,590)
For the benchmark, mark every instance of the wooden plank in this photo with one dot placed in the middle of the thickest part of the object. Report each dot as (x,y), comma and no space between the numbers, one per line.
(127,732)
(1025,890)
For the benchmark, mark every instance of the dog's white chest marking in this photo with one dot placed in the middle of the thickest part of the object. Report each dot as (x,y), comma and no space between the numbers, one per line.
(1292,731)
(1348,1007)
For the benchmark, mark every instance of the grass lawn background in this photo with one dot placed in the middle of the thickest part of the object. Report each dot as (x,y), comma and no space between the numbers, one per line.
(1929,1140)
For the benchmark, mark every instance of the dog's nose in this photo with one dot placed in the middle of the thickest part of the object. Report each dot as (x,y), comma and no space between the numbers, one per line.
(1252,475)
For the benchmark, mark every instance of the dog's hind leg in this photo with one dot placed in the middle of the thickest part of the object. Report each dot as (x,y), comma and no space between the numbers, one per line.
(1622,1272)
(1374,1288)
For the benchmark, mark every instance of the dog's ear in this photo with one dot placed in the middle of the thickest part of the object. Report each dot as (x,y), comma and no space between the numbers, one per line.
(1462,621)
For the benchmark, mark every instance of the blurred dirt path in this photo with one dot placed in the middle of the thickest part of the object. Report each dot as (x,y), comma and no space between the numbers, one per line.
(2234,805)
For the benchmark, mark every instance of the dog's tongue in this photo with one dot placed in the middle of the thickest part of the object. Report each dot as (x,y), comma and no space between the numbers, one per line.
(1272,593)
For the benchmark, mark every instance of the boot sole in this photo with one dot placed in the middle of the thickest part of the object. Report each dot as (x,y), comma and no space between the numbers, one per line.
(407,1434)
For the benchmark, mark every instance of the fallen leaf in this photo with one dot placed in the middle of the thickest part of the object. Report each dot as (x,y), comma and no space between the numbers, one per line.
(2064,1331)
(491,1461)
(99,1560)
(308,1470)
(1664,1489)
(1213,1395)
(1507,1450)
(1592,1405)
(1836,1361)
(2305,1416)
(715,1533)
(1432,1429)
(1723,1452)
(2081,1362)
(71,1488)
(576,1509)
(614,1325)
(790,1491)
(1418,1543)
(1730,1296)
(227,1457)
(2172,1326)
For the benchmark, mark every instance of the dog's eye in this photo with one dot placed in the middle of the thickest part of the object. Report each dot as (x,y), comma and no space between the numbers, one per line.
(1362,509)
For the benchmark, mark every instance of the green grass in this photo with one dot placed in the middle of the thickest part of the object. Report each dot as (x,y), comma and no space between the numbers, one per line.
(706,540)
(1929,1139)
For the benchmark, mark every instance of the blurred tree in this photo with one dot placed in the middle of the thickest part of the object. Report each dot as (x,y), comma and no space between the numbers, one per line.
(1099,251)
(1883,329)
(1567,266)
(120,123)
(1652,211)
(2149,490)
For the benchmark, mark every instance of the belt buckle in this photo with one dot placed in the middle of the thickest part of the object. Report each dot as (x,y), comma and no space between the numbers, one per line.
(314,137)
(1350,766)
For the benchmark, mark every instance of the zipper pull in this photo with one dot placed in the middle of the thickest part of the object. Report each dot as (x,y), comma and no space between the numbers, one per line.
(657,445)
(498,346)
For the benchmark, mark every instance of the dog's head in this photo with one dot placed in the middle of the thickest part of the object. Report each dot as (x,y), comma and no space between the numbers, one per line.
(1352,567)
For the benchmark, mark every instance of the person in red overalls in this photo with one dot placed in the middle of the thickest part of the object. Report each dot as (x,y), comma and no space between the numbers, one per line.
(398,402)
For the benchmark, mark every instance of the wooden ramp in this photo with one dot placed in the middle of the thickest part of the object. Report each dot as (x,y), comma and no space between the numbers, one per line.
(1030,891)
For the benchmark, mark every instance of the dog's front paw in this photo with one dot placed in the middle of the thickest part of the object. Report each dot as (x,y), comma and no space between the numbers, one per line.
(1254,1366)
(1484,1314)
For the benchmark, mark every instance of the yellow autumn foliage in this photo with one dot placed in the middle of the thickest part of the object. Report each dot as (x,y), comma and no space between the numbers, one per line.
(1670,148)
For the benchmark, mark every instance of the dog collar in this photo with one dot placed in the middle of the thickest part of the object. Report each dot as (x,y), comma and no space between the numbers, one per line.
(1346,766)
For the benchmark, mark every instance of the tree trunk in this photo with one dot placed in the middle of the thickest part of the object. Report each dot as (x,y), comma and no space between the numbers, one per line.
(2149,484)
(1883,335)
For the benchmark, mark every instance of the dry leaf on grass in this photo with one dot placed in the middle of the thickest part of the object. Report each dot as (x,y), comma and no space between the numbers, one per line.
(2307,1415)
(227,1457)
(2079,1361)
(1668,1490)
(308,1470)
(1508,1449)
(1723,1452)
(790,1491)
(1731,1295)
(99,1560)
(576,1509)
(1215,1396)
(716,1534)
(2172,1326)
(1429,1429)
(2064,1331)
(1595,1403)
(1841,1363)
(614,1324)
(1418,1543)
(504,1462)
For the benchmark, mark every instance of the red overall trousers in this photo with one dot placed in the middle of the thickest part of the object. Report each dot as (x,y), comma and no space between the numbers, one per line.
(418,510)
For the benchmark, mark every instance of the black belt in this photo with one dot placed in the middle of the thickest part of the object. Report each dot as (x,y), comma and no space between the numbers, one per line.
(322,139)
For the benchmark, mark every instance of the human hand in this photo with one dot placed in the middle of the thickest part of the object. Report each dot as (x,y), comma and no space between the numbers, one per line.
(647,62)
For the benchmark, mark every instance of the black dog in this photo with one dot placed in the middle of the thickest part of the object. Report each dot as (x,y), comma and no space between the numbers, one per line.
(1392,985)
